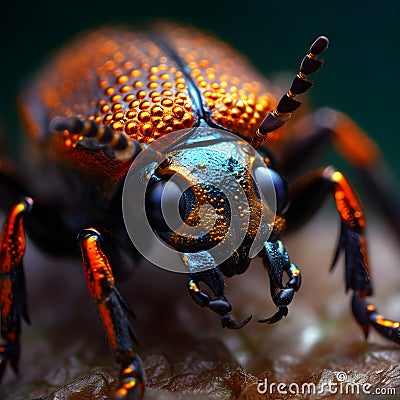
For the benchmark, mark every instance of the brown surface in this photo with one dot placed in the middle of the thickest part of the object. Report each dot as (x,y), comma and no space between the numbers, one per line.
(185,352)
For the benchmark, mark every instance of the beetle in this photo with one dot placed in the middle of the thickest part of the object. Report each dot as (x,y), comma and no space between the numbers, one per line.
(101,103)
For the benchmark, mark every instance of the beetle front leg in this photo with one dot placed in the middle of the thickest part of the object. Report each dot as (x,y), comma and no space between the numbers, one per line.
(114,314)
(276,261)
(213,279)
(12,283)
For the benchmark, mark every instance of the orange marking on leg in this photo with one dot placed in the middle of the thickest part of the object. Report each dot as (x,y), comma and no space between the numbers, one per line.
(354,144)
(371,308)
(387,322)
(108,324)
(347,202)
(12,240)
(6,298)
(98,273)
(100,282)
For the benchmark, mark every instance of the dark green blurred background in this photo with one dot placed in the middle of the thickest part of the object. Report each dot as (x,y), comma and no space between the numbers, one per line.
(360,76)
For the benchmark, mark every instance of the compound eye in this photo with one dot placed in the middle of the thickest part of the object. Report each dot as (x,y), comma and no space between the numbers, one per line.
(270,183)
(165,202)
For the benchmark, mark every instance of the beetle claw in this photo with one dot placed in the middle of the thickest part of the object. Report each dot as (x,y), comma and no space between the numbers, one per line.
(367,315)
(218,303)
(282,312)
(277,262)
(228,322)
(9,353)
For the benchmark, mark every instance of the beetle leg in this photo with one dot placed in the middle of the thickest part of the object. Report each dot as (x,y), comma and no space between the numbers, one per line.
(12,283)
(366,314)
(114,314)
(218,303)
(326,125)
(307,195)
(276,262)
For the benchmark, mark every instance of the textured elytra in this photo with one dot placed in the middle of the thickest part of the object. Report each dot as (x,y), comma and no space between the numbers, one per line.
(237,97)
(119,78)
(129,81)
(125,79)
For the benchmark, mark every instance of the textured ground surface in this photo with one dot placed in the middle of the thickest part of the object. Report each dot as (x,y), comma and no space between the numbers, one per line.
(185,352)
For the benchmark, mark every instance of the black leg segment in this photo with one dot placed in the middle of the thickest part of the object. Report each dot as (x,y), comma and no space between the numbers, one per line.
(203,269)
(277,262)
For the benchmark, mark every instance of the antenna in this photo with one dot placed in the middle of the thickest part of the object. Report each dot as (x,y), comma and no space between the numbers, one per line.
(124,147)
(287,104)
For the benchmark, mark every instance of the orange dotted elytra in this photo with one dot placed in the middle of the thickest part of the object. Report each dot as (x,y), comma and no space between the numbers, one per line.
(154,95)
(125,80)
(131,128)
(109,91)
(131,114)
(152,85)
(144,116)
(135,73)
(178,111)
(141,94)
(116,107)
(167,103)
(124,89)
(129,97)
(144,105)
(138,84)
(105,109)
(122,79)
(147,129)
(157,111)
(118,116)
(167,85)
(115,98)
(118,126)
(168,119)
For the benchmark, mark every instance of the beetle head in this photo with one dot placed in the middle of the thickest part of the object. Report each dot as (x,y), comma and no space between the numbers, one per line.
(212,192)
